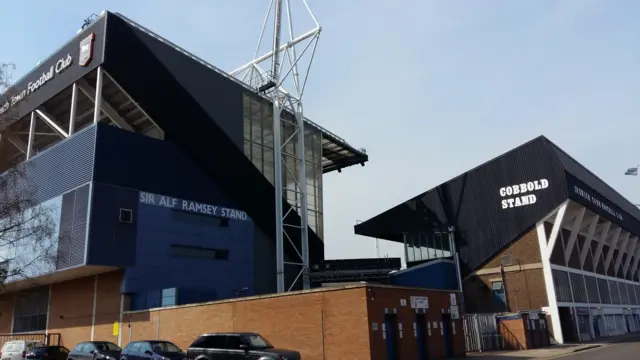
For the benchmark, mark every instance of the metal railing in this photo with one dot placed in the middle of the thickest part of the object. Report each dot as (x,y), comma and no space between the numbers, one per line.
(481,333)
(51,339)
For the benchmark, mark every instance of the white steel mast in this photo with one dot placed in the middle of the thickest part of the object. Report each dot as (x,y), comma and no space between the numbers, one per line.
(274,83)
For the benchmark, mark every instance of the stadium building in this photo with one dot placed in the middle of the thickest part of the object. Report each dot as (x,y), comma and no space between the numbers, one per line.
(535,230)
(159,171)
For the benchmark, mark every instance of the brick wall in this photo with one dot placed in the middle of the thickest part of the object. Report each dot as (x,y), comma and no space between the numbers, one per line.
(6,312)
(107,306)
(524,279)
(71,308)
(322,324)
(296,321)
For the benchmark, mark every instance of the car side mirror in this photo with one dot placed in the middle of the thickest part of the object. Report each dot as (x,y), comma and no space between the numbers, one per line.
(148,352)
(92,352)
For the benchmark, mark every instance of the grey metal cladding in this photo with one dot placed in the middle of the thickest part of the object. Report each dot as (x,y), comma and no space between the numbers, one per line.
(62,80)
(472,202)
(73,228)
(63,167)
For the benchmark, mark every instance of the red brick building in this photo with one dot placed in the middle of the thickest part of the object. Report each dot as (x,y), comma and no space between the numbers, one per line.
(333,323)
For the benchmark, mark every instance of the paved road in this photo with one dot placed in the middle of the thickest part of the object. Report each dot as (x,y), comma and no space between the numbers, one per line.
(629,349)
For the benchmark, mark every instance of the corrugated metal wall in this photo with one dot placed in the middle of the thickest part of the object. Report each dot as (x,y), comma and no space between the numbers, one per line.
(472,202)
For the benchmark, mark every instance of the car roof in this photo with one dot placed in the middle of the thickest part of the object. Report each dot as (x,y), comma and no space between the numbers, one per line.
(229,333)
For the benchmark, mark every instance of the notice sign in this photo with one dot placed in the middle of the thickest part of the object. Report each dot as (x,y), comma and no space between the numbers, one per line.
(455,313)
(454,301)
(419,302)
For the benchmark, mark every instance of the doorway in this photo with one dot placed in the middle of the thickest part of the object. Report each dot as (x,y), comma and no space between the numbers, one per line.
(422,337)
(391,330)
(447,334)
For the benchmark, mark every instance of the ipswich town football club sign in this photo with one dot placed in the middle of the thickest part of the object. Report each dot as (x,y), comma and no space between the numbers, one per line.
(86,50)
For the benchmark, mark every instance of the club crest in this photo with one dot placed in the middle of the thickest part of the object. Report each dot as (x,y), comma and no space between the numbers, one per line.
(86,50)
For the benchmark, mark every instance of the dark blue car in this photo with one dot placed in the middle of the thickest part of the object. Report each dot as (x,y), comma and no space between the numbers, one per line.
(151,349)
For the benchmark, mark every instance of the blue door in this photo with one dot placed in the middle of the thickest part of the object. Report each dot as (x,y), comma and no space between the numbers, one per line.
(447,334)
(391,329)
(421,337)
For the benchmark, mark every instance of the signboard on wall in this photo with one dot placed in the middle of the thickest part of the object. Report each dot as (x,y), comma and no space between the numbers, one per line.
(622,213)
(597,201)
(192,206)
(522,194)
(419,302)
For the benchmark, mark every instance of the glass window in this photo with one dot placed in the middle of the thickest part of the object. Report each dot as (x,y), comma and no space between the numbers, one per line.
(169,297)
(210,342)
(144,347)
(135,348)
(199,252)
(30,312)
(78,348)
(164,346)
(88,347)
(256,341)
(198,219)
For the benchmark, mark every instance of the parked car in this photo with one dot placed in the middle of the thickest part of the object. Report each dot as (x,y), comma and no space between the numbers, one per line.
(48,353)
(151,349)
(95,350)
(231,346)
(18,349)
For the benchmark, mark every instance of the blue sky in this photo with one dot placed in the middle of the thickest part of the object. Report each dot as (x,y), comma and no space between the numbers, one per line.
(430,88)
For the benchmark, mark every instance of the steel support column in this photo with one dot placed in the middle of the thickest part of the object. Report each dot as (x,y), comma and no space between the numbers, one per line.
(32,130)
(72,111)
(546,248)
(97,108)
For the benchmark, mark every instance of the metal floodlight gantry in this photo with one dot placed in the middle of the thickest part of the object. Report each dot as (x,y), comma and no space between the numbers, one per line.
(284,84)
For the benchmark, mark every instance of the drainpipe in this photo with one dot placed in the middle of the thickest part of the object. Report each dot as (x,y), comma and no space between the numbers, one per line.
(456,261)
(504,287)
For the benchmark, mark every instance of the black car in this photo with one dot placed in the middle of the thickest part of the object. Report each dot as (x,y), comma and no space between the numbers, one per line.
(95,350)
(48,353)
(151,349)
(236,346)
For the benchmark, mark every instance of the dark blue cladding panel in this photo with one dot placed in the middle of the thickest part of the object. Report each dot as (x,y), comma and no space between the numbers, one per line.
(138,162)
(132,161)
(438,274)
(156,268)
(112,242)
(34,96)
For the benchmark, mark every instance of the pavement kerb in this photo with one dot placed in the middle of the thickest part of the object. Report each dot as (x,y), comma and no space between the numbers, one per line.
(586,347)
